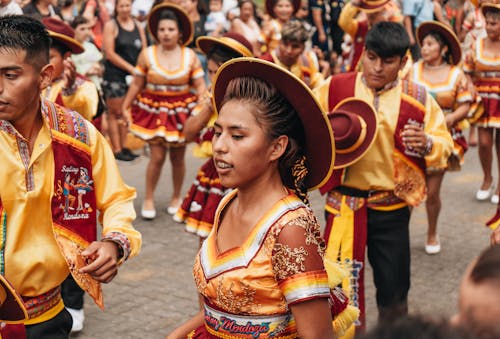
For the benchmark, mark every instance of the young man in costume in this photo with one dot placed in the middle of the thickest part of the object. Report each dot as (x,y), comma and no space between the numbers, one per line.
(369,201)
(46,148)
(291,55)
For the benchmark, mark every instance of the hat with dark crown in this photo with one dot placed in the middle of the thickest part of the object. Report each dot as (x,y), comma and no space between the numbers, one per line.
(319,146)
(233,41)
(63,33)
(184,21)
(448,35)
(354,124)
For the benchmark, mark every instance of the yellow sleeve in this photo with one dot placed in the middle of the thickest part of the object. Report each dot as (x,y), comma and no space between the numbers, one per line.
(114,198)
(84,100)
(435,127)
(347,20)
(321,92)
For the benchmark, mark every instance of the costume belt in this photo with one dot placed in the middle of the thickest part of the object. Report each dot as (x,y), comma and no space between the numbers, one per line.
(375,199)
(226,325)
(37,306)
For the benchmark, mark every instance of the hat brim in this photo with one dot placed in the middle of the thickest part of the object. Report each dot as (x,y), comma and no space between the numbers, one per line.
(320,146)
(186,24)
(12,308)
(207,43)
(270,7)
(433,26)
(368,114)
(373,6)
(488,7)
(74,46)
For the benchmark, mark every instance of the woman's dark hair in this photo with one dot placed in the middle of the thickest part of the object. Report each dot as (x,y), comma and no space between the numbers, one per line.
(442,42)
(168,14)
(387,39)
(221,54)
(275,114)
(79,20)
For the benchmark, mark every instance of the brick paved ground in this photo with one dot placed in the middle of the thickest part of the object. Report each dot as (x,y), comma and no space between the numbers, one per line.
(154,292)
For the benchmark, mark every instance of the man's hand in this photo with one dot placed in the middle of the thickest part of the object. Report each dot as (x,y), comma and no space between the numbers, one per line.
(414,138)
(69,73)
(495,237)
(103,257)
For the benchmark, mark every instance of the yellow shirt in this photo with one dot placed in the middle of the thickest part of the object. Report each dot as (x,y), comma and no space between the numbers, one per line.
(306,68)
(374,171)
(33,262)
(83,100)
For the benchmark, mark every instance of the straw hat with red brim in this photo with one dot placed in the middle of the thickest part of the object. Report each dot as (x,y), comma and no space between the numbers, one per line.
(186,26)
(354,124)
(271,3)
(63,33)
(11,305)
(451,39)
(233,41)
(319,147)
(486,7)
(370,6)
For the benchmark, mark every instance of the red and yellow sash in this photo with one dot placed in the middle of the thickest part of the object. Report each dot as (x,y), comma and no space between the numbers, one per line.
(74,218)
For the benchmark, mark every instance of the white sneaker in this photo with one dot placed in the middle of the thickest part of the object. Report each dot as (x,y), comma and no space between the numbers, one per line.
(78,318)
(482,195)
(494,199)
(433,249)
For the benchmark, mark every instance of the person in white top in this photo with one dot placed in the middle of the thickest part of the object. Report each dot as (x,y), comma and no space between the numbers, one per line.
(10,7)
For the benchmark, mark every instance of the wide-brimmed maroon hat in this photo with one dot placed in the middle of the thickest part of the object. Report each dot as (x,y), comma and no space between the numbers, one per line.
(319,147)
(233,41)
(62,32)
(271,3)
(370,6)
(354,124)
(186,26)
(490,5)
(11,305)
(448,35)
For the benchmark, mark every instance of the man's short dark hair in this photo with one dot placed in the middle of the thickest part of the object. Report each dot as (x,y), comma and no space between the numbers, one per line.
(79,20)
(387,39)
(487,266)
(18,32)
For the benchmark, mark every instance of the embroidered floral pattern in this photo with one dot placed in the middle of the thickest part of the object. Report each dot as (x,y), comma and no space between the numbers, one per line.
(235,303)
(288,261)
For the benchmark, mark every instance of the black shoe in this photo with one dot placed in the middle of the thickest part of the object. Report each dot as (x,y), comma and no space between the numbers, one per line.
(129,152)
(123,156)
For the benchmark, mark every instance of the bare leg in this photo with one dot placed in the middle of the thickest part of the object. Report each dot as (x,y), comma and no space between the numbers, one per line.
(153,172)
(497,148)
(115,127)
(433,205)
(485,149)
(472,136)
(178,172)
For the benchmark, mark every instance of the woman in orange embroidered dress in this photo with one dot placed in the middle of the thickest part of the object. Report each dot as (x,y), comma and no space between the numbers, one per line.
(261,271)
(168,80)
(438,72)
